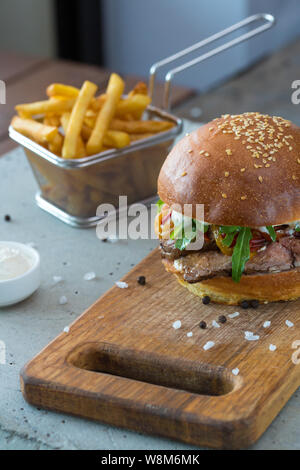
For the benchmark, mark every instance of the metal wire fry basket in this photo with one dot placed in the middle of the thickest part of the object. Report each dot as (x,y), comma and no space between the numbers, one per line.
(71,190)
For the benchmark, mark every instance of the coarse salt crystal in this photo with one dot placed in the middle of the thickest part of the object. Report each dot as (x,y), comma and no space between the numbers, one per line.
(272,347)
(176,324)
(267,324)
(121,284)
(189,334)
(235,371)
(208,345)
(57,279)
(215,324)
(250,336)
(289,323)
(66,329)
(63,300)
(89,276)
(234,315)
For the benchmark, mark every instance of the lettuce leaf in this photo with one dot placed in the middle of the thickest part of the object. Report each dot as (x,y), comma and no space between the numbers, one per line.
(159,205)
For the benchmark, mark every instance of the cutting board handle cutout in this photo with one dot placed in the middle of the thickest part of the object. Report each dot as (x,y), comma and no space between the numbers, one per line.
(183,374)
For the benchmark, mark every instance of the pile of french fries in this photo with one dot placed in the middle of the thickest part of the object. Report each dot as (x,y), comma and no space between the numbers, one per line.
(75,123)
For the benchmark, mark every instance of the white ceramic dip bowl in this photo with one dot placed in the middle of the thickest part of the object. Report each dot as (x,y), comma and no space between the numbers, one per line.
(19,272)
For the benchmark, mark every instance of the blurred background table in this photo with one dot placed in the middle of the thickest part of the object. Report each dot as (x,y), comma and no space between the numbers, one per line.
(255,89)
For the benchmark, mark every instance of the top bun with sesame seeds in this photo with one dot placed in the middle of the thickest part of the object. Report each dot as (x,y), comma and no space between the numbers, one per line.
(244,168)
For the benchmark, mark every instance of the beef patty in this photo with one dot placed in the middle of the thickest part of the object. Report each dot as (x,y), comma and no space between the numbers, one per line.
(169,250)
(278,256)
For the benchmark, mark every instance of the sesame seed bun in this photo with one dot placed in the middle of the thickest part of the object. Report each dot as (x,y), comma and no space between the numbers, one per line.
(244,168)
(262,287)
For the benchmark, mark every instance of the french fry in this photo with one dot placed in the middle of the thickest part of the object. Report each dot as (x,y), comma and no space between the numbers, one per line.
(87,92)
(112,139)
(56,144)
(98,102)
(140,127)
(139,89)
(62,90)
(34,130)
(91,113)
(80,150)
(89,122)
(90,118)
(134,105)
(86,132)
(116,139)
(59,98)
(114,92)
(51,120)
(128,117)
(43,107)
(135,137)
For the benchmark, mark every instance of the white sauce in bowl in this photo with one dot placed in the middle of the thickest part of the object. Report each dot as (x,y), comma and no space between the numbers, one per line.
(13,262)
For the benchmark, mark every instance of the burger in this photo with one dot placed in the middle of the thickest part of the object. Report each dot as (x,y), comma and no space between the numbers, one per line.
(245,172)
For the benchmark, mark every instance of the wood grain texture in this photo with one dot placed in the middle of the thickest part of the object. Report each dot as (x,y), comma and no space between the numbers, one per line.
(123,363)
(14,65)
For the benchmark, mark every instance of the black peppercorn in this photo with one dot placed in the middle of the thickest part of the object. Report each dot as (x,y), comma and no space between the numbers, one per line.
(141,280)
(222,319)
(245,304)
(206,300)
(254,303)
(7,218)
(202,325)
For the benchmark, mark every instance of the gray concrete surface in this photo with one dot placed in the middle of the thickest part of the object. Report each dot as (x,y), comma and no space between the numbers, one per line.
(28,327)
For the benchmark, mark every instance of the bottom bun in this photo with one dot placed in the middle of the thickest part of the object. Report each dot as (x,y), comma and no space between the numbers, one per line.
(262,287)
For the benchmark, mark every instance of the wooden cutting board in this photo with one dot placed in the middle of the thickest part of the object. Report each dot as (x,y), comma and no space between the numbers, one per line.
(123,363)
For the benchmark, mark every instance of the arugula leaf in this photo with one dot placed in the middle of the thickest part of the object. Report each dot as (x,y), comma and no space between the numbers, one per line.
(229,228)
(227,241)
(230,231)
(159,205)
(241,253)
(272,232)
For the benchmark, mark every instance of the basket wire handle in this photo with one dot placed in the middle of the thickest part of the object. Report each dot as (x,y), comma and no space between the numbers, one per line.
(269,22)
